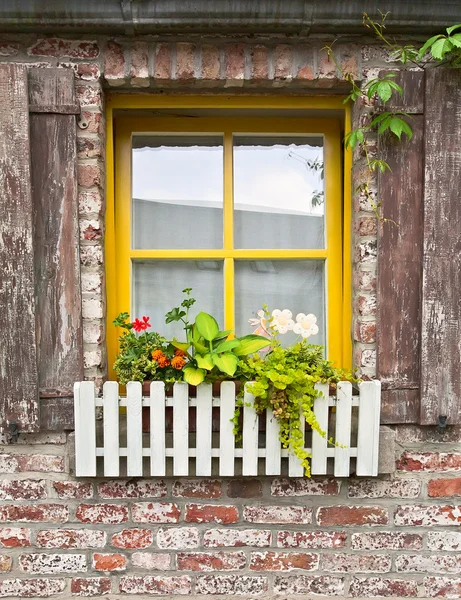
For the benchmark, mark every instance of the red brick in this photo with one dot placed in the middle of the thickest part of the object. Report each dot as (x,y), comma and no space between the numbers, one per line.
(89,95)
(244,488)
(185,61)
(31,462)
(109,562)
(365,331)
(366,226)
(78,539)
(259,63)
(154,561)
(442,587)
(8,48)
(51,513)
(155,512)
(365,281)
(311,539)
(327,67)
(283,59)
(32,588)
(161,585)
(84,71)
(235,63)
(89,148)
(386,540)
(68,490)
(91,256)
(216,561)
(64,48)
(133,489)
(162,62)
(90,586)
(6,562)
(277,514)
(434,563)
(305,487)
(429,461)
(352,515)
(133,538)
(90,202)
(22,489)
(356,563)
(91,230)
(114,62)
(178,538)
(211,62)
(139,72)
(306,64)
(89,176)
(14,537)
(307,584)
(231,585)
(94,120)
(444,540)
(110,514)
(205,488)
(217,538)
(283,561)
(427,516)
(52,563)
(444,488)
(366,305)
(389,488)
(207,513)
(377,586)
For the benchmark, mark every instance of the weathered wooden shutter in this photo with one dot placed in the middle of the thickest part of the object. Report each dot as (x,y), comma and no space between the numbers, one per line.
(40,299)
(419,276)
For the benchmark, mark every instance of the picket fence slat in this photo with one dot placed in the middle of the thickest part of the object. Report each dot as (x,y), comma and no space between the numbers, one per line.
(170,448)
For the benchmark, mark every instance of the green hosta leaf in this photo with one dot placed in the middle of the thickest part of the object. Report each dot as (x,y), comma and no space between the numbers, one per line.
(180,345)
(227,345)
(249,344)
(193,376)
(441,47)
(453,28)
(204,362)
(227,362)
(207,326)
(427,45)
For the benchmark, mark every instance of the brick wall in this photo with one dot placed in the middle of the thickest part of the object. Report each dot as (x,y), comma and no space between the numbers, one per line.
(395,537)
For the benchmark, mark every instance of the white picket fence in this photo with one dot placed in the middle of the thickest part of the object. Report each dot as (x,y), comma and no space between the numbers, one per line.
(259,453)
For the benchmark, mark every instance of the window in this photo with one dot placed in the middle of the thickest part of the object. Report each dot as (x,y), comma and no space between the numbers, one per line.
(243,209)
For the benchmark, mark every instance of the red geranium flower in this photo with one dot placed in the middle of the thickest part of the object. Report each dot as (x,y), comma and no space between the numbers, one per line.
(141,325)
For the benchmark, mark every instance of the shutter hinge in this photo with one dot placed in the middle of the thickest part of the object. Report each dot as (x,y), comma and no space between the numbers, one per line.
(442,424)
(14,432)
(82,123)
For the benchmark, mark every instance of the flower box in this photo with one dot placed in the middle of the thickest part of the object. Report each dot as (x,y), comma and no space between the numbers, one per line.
(114,446)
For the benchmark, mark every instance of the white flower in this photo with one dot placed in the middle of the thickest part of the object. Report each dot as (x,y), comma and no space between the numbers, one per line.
(282,320)
(306,325)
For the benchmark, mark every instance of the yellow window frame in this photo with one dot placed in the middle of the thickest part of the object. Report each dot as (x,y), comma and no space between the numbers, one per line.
(118,251)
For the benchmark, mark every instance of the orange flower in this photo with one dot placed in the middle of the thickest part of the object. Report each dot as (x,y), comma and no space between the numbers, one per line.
(157,355)
(178,362)
(163,361)
(179,352)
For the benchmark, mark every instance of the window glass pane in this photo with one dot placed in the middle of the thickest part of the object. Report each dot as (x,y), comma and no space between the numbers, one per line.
(177,191)
(294,284)
(279,192)
(158,285)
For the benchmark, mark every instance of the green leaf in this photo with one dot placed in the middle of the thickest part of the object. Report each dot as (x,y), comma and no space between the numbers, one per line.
(384,91)
(193,376)
(180,345)
(174,315)
(427,45)
(224,334)
(453,28)
(207,326)
(205,361)
(441,47)
(249,344)
(456,40)
(407,129)
(395,126)
(227,362)
(227,345)
(384,125)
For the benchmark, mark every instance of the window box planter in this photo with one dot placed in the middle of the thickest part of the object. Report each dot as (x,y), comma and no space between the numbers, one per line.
(115,446)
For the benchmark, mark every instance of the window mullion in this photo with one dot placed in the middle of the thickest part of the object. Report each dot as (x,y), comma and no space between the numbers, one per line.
(228,192)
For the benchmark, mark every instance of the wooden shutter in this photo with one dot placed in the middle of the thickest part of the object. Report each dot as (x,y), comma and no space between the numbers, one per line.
(18,357)
(53,106)
(419,270)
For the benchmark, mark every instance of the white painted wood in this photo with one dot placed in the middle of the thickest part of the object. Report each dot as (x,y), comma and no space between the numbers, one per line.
(85,429)
(273,445)
(343,429)
(157,429)
(134,428)
(295,468)
(368,428)
(181,429)
(226,435)
(111,429)
(319,442)
(204,430)
(250,436)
